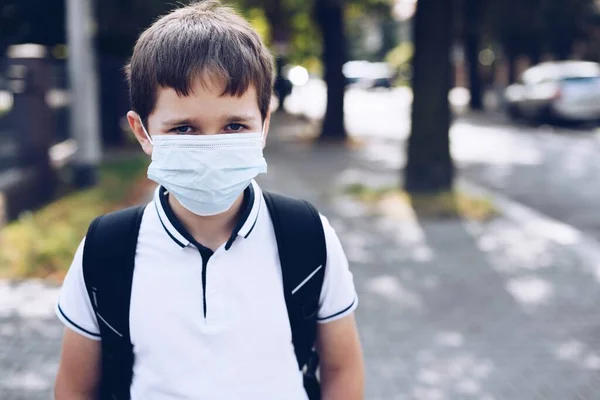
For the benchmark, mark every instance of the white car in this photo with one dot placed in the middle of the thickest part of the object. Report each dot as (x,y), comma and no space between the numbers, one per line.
(368,74)
(563,90)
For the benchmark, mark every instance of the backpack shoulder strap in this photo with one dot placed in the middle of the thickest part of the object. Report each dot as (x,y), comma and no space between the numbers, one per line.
(108,264)
(303,256)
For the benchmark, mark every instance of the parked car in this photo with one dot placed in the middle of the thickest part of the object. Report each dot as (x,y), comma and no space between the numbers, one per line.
(551,91)
(355,72)
(368,75)
(380,75)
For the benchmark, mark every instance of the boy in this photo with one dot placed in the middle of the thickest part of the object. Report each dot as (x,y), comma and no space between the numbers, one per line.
(207,316)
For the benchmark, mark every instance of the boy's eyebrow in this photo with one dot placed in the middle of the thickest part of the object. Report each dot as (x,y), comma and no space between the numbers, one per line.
(193,121)
(180,121)
(239,117)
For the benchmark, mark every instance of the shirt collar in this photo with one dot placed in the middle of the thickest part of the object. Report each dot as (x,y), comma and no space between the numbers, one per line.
(251,206)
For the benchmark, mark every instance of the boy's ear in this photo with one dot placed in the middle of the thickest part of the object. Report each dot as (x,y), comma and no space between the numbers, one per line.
(136,126)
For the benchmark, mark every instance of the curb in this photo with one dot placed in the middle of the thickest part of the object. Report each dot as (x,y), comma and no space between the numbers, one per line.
(538,223)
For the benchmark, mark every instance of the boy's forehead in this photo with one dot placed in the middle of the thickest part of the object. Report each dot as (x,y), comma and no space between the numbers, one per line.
(205,99)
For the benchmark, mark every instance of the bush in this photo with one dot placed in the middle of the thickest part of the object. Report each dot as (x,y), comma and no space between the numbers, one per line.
(42,243)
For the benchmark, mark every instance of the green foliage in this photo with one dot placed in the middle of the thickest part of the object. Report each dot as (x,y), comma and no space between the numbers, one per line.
(305,42)
(42,243)
(294,20)
(400,60)
(359,8)
(362,17)
(400,56)
(259,22)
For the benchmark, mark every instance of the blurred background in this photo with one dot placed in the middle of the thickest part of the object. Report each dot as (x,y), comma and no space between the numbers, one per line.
(453,144)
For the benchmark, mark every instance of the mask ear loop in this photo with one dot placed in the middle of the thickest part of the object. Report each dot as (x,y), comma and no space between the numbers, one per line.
(263,134)
(146,132)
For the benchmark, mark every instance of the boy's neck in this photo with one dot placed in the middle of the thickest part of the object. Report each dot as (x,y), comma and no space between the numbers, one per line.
(210,231)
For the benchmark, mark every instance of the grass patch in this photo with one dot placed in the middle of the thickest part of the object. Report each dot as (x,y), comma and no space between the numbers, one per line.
(42,243)
(444,205)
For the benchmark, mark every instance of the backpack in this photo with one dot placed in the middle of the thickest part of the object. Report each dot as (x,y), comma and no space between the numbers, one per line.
(108,264)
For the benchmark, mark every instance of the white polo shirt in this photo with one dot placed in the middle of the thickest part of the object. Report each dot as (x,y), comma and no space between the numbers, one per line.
(211,326)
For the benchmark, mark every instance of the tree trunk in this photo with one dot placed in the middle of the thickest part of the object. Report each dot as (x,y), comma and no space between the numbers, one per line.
(472,39)
(511,59)
(279,20)
(329,15)
(429,166)
(283,86)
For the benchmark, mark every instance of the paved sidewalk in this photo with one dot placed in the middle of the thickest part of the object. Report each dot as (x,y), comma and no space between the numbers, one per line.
(29,340)
(449,309)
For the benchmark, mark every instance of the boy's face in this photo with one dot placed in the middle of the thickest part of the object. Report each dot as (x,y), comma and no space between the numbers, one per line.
(203,112)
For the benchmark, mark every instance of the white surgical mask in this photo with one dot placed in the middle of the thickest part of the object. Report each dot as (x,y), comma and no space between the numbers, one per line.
(206,173)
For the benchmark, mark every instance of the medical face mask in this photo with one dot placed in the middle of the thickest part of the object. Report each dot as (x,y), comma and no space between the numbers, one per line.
(206,173)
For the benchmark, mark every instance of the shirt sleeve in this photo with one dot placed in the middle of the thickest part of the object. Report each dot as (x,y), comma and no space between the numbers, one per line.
(74,308)
(338,296)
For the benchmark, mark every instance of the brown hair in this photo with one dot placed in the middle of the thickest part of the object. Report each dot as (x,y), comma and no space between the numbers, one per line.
(203,40)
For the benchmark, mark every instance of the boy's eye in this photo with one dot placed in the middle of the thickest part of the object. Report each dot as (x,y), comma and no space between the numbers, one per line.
(182,130)
(235,127)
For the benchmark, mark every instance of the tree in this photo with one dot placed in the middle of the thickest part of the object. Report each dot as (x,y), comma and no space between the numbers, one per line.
(564,24)
(429,166)
(533,28)
(279,17)
(517,26)
(329,15)
(473,15)
(289,22)
(290,35)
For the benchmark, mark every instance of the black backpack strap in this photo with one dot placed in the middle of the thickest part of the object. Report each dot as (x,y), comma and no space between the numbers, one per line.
(108,264)
(303,256)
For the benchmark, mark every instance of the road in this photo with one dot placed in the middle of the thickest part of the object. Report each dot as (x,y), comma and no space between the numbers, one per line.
(555,170)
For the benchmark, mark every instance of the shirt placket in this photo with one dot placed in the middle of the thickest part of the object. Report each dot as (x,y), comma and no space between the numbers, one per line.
(213,296)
